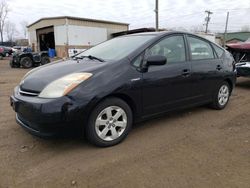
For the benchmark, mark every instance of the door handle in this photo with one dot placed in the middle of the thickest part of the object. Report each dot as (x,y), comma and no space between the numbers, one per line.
(219,67)
(186,72)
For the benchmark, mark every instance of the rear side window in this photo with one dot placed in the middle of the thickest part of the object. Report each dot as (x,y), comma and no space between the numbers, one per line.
(200,49)
(218,50)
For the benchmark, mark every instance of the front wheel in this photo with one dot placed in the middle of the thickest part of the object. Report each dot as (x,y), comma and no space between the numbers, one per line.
(221,97)
(109,123)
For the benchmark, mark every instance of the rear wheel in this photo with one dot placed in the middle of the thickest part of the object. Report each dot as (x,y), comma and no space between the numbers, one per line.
(26,62)
(109,123)
(221,97)
(45,60)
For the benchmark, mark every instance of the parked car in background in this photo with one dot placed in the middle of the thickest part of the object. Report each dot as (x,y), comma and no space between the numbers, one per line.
(241,53)
(29,59)
(8,51)
(2,53)
(16,49)
(107,88)
(5,51)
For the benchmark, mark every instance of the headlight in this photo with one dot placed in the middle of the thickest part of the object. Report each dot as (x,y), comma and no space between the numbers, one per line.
(64,85)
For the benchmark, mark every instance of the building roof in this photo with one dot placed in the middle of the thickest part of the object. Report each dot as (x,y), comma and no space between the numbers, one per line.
(240,46)
(241,36)
(77,18)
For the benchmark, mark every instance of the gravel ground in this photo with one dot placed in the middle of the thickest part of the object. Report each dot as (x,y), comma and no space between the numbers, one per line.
(199,147)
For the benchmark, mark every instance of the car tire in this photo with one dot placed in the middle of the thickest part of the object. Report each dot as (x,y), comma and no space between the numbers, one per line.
(26,62)
(109,123)
(45,60)
(221,97)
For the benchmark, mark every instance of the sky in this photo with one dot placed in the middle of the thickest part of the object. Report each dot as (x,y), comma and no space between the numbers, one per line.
(173,14)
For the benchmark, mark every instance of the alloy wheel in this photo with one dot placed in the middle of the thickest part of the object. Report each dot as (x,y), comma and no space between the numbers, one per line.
(111,123)
(223,95)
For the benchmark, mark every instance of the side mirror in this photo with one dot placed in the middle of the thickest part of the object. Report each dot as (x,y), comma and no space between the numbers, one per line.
(156,60)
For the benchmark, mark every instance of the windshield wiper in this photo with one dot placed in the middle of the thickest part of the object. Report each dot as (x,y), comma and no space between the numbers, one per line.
(97,58)
(90,57)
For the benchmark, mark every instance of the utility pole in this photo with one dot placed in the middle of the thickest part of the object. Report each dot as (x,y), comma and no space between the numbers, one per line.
(156,16)
(207,19)
(225,33)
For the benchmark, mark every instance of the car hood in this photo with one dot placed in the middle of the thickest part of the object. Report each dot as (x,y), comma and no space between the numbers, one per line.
(39,77)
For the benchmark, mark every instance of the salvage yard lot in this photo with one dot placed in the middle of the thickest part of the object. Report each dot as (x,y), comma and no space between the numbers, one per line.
(199,147)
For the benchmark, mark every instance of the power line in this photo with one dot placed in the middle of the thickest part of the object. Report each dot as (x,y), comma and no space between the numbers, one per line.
(234,9)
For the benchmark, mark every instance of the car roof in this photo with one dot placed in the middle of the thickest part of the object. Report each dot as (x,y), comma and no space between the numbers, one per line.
(165,33)
(159,33)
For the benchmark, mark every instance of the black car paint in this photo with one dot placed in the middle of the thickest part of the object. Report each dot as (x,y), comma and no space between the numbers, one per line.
(150,91)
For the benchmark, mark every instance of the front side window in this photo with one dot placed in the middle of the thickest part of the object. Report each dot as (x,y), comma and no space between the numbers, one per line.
(173,48)
(200,49)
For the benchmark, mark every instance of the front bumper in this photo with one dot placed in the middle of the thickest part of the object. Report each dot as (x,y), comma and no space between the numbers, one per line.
(47,117)
(33,131)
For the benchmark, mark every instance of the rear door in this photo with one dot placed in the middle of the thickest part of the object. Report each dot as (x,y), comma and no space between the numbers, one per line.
(206,67)
(167,86)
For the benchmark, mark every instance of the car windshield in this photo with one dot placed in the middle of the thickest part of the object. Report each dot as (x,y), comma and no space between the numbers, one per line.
(116,48)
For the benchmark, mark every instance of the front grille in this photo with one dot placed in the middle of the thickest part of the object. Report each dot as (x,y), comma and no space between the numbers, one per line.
(28,93)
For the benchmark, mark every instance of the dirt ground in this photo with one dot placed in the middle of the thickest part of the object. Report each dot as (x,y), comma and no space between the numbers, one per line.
(196,148)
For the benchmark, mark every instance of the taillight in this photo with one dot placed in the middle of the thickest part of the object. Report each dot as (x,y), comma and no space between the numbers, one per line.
(1,49)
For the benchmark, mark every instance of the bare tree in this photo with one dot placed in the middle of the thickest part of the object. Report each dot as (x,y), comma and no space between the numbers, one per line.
(10,30)
(24,24)
(4,9)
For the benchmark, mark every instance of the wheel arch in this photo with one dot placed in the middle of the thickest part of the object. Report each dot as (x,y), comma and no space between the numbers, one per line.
(230,82)
(124,97)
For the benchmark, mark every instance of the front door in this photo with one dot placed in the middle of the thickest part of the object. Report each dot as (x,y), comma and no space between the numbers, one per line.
(168,86)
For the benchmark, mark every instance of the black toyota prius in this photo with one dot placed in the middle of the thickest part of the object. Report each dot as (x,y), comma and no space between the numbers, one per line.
(107,88)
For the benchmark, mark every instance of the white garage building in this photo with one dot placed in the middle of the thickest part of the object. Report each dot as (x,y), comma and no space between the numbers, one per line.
(66,33)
